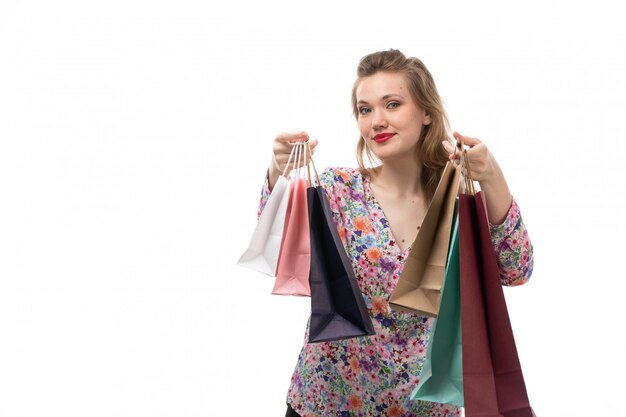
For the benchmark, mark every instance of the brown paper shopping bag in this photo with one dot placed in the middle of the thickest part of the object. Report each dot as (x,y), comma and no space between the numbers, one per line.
(419,285)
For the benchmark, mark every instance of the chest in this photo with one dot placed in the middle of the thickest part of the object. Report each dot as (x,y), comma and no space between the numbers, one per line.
(404,217)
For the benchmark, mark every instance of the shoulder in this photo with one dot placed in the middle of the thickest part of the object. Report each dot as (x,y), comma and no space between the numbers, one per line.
(339,177)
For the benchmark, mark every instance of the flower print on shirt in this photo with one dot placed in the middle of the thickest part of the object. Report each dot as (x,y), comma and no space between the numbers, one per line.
(374,375)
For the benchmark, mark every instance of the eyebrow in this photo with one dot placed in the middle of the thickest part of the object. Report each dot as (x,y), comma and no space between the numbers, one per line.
(383,98)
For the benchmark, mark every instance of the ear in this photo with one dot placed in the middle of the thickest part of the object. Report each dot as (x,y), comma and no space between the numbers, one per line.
(427,119)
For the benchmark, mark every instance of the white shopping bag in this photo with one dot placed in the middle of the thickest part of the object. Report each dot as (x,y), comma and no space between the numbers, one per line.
(264,246)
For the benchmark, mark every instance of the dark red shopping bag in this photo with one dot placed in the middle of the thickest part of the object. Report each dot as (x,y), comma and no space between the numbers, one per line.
(492,376)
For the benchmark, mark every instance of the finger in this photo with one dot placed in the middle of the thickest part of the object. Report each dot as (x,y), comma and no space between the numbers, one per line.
(283,150)
(448,146)
(289,145)
(285,143)
(310,144)
(477,151)
(292,136)
(453,155)
(467,140)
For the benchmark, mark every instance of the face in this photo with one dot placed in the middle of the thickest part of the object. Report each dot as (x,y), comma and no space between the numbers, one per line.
(389,120)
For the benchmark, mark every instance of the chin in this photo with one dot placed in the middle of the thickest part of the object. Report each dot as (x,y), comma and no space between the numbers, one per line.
(393,156)
(391,151)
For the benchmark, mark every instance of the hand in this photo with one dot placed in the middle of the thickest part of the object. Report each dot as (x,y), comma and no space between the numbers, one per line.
(283,144)
(485,170)
(482,163)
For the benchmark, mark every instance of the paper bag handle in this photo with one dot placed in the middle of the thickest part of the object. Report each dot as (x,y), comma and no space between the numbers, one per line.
(468,182)
(308,145)
(288,160)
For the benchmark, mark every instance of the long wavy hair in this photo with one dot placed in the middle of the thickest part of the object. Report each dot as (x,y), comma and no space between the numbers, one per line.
(424,92)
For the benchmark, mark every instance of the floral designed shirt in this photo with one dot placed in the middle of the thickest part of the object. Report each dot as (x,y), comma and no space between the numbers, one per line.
(374,375)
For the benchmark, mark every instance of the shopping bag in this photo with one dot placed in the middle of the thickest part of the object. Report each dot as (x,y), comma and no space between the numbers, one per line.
(338,310)
(478,377)
(264,247)
(294,258)
(492,376)
(441,378)
(419,286)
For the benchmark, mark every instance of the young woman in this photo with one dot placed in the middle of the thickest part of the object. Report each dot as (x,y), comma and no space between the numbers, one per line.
(378,212)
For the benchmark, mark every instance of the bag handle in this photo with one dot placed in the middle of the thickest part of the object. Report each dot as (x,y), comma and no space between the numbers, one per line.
(304,174)
(296,160)
(468,182)
(308,145)
(299,154)
(288,160)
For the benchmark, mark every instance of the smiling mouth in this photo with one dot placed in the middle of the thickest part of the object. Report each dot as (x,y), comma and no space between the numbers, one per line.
(383,137)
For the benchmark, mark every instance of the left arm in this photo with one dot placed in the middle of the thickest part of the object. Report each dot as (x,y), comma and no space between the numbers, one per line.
(513,249)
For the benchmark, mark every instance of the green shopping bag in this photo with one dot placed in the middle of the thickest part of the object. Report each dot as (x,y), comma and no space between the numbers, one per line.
(442,374)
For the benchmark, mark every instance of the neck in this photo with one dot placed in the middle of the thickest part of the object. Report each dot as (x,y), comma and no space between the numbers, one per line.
(400,178)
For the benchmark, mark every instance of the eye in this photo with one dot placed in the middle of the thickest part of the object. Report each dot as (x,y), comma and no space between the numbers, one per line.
(364,110)
(393,104)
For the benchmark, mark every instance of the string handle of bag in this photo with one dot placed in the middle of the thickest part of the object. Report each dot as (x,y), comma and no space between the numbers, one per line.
(289,160)
(308,145)
(301,156)
(296,161)
(467,185)
(304,161)
(307,176)
(294,152)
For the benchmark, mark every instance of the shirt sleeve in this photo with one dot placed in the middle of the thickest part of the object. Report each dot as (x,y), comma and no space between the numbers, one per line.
(514,250)
(336,184)
(265,195)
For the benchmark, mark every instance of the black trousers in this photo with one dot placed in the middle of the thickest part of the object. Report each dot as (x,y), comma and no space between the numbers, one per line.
(291,412)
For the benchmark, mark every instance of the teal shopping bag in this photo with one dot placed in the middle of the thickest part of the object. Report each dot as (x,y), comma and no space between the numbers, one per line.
(442,374)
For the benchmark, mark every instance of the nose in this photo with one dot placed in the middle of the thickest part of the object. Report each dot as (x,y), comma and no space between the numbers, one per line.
(379,122)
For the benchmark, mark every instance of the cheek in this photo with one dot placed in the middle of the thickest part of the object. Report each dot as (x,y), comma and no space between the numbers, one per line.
(410,123)
(406,119)
(363,127)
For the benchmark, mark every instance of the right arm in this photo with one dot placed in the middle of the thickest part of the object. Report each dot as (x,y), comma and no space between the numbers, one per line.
(283,144)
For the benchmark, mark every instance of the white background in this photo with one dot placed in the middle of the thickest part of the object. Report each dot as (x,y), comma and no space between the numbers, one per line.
(135,136)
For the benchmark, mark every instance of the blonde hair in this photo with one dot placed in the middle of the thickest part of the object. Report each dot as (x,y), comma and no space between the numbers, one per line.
(424,92)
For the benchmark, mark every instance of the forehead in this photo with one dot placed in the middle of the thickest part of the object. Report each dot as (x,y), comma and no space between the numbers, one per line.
(374,87)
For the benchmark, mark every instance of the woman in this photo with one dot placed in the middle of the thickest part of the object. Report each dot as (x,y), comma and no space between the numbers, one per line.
(378,212)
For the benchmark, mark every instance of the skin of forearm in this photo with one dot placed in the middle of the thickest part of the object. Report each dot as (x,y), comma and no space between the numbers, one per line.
(273,177)
(497,195)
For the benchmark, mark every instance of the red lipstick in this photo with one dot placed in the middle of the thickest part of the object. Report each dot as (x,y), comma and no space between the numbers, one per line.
(383,137)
